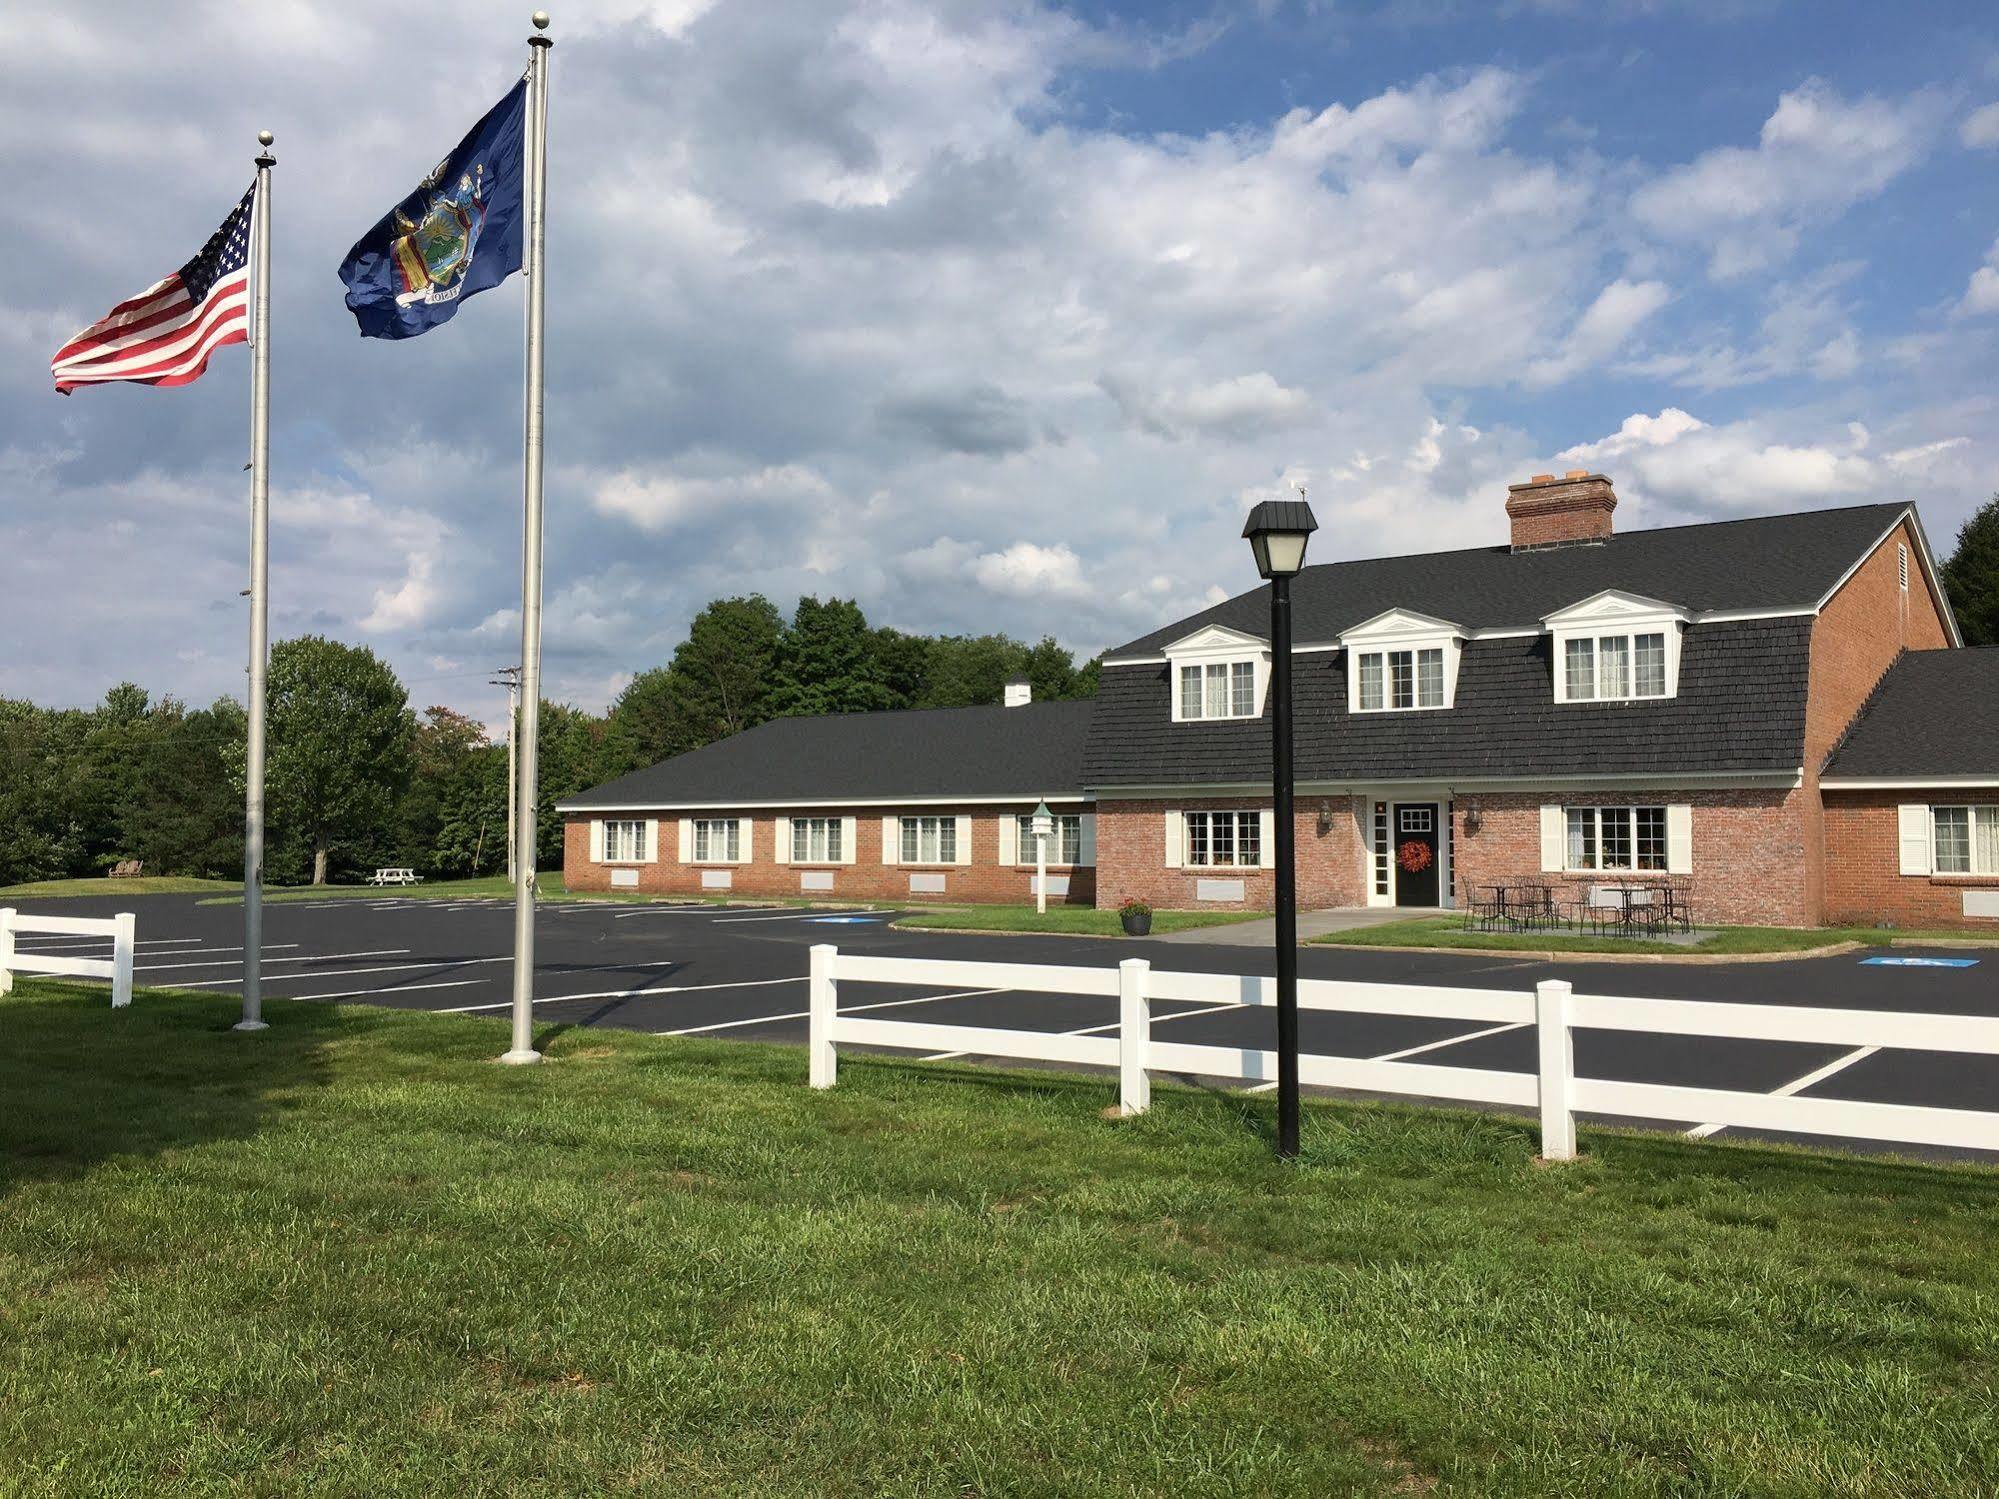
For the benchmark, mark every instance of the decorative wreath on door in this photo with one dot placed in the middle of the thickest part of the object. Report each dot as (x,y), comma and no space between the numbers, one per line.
(1414,857)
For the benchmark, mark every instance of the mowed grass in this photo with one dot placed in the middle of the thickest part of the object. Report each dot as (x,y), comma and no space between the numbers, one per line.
(1083,920)
(1450,931)
(352,1255)
(145,884)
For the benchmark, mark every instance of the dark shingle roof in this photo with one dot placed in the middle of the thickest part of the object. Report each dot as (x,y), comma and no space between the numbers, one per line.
(1935,713)
(1769,562)
(1741,707)
(1033,750)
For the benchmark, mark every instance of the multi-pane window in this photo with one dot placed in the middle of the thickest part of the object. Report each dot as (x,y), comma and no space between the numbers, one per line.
(718,840)
(1966,839)
(1219,689)
(1065,839)
(1381,848)
(1224,840)
(817,840)
(929,840)
(1401,679)
(624,842)
(1614,838)
(1610,667)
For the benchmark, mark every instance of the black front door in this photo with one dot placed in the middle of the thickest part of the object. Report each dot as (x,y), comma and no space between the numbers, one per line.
(1417,855)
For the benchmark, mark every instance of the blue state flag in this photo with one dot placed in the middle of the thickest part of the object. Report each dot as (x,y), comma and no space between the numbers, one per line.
(458,233)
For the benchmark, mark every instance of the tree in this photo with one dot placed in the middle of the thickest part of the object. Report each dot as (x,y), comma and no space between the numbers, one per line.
(828,661)
(341,750)
(188,818)
(718,684)
(444,742)
(1971,577)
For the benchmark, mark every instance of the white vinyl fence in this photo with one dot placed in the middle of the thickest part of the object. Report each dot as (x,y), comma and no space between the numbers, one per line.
(1557,1013)
(117,930)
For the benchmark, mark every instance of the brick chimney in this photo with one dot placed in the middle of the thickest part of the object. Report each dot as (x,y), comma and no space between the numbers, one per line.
(1547,511)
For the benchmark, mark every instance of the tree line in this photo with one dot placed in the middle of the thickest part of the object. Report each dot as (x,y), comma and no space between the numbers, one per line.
(356,779)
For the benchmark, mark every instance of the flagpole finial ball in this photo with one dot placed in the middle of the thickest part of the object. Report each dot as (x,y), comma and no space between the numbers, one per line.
(540,19)
(264,137)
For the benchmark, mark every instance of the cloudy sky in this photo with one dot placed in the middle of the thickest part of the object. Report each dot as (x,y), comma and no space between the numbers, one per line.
(991,315)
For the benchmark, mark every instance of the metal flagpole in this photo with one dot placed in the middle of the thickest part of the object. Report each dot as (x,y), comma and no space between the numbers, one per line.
(525,798)
(260,611)
(510,678)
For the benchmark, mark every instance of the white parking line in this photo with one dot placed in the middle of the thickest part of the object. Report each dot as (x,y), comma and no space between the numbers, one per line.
(1415,1051)
(1092,1030)
(445,964)
(886,1004)
(377,993)
(551,999)
(787,916)
(49,944)
(1797,1085)
(683,910)
(324,957)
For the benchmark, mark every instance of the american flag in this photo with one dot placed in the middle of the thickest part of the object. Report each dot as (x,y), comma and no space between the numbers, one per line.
(164,335)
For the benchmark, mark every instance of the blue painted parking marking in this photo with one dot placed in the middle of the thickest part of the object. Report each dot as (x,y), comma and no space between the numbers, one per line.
(1922,962)
(841,920)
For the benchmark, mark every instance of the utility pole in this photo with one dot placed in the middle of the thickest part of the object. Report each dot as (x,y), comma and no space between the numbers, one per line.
(509,677)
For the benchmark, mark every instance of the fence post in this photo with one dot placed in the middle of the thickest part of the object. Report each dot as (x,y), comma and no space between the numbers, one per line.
(6,949)
(1558,1069)
(1134,1036)
(823,999)
(123,929)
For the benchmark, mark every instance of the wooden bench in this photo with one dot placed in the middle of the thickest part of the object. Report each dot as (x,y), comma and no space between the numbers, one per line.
(395,877)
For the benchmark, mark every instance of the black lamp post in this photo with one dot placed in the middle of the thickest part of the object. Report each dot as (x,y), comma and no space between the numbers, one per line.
(1277,532)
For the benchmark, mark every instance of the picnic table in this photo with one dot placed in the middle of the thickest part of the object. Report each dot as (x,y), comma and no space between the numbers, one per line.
(395,877)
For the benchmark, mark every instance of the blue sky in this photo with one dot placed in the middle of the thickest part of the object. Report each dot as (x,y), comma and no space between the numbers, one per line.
(992,315)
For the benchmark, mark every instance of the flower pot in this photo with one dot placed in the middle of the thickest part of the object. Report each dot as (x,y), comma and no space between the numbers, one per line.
(1137,923)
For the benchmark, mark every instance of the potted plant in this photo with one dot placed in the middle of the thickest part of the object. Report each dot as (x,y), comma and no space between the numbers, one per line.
(1136,916)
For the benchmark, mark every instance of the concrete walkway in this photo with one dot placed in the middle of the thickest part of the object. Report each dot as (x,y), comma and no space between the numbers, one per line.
(1310,924)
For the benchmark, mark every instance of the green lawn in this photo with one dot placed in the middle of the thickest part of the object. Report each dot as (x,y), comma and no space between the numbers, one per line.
(1086,920)
(353,1256)
(146,884)
(1449,931)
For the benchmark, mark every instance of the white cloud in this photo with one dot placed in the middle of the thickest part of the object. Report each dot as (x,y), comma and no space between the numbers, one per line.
(657,501)
(1981,127)
(1619,310)
(1240,408)
(1028,571)
(1982,294)
(1816,155)
(1687,467)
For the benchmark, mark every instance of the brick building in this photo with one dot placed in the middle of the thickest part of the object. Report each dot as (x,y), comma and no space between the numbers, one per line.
(1581,705)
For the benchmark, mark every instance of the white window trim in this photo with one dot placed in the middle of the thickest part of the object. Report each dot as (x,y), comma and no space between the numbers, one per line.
(1264,834)
(645,840)
(745,838)
(1612,613)
(1599,808)
(960,839)
(1402,630)
(1023,845)
(788,833)
(1216,646)
(1971,810)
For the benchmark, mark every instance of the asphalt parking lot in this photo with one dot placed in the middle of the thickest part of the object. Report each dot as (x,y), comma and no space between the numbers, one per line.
(740,972)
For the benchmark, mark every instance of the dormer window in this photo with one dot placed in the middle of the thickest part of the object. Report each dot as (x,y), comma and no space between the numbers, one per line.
(1218,673)
(1218,689)
(1639,658)
(1401,661)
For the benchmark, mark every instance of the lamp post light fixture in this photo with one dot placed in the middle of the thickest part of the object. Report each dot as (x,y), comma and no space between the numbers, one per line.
(1044,824)
(1277,532)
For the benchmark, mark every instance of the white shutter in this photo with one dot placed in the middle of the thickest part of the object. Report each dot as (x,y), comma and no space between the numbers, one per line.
(596,840)
(1266,838)
(1679,839)
(891,840)
(1913,820)
(1554,840)
(1009,839)
(650,853)
(1087,856)
(965,840)
(687,840)
(746,846)
(782,852)
(1176,840)
(849,827)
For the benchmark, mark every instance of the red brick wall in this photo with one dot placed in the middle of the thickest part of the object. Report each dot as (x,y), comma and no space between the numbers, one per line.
(867,878)
(1863,861)
(1131,856)
(1748,848)
(1855,639)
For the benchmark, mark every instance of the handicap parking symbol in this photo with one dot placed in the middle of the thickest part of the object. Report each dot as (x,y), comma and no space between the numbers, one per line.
(840,920)
(1921,962)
